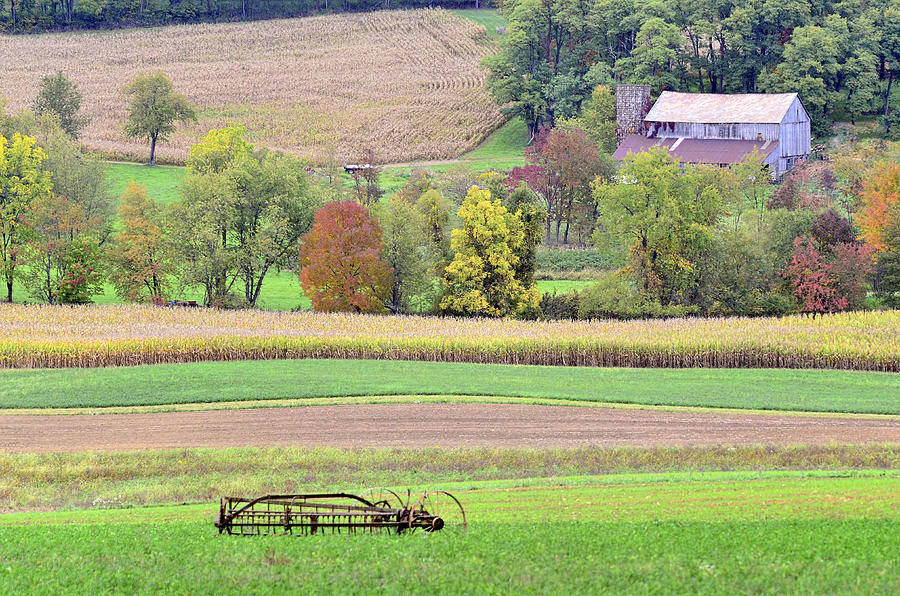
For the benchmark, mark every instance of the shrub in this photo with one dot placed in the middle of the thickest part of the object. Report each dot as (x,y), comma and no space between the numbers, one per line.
(616,297)
(554,259)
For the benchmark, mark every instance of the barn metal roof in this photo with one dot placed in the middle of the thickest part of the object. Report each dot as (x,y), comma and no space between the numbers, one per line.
(639,144)
(716,108)
(717,151)
(714,151)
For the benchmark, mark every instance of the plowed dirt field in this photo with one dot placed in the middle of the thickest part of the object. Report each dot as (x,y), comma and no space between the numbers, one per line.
(425,425)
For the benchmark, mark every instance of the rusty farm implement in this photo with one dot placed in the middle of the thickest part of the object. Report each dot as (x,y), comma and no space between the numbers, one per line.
(376,510)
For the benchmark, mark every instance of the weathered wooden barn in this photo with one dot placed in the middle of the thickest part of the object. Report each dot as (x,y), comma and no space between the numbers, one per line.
(715,128)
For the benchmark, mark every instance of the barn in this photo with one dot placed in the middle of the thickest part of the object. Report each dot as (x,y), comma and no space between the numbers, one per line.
(714,128)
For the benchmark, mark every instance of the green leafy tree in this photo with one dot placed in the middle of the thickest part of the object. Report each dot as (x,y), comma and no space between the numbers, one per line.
(409,252)
(200,223)
(810,68)
(481,279)
(598,119)
(23,181)
(653,61)
(241,216)
(273,207)
(154,107)
(78,177)
(435,210)
(59,95)
(665,217)
(63,258)
(889,259)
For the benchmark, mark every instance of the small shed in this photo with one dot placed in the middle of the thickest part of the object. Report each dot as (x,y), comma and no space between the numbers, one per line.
(723,129)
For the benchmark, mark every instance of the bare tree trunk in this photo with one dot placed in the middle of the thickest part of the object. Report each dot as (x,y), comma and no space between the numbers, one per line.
(887,96)
(152,150)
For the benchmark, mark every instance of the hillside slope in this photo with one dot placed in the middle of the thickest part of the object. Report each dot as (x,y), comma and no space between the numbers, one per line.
(405,83)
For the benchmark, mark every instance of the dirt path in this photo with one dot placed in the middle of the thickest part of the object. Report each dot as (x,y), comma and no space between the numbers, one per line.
(424,425)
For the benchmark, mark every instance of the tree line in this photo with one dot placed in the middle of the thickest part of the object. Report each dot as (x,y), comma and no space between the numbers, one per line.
(690,239)
(841,57)
(27,16)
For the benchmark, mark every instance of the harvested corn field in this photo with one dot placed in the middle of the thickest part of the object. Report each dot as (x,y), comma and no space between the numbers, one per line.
(62,336)
(406,84)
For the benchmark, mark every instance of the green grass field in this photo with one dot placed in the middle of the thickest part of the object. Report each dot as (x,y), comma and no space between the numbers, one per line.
(162,182)
(777,535)
(561,286)
(206,382)
(489,17)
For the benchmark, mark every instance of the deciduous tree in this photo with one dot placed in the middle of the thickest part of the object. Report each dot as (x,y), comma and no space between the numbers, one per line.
(665,217)
(241,215)
(59,95)
(23,181)
(566,164)
(340,260)
(154,107)
(881,190)
(411,255)
(63,259)
(141,262)
(481,279)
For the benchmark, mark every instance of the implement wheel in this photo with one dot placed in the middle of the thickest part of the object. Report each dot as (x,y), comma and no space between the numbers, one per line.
(438,511)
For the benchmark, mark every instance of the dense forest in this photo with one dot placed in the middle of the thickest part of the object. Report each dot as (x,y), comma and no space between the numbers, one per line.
(841,57)
(27,16)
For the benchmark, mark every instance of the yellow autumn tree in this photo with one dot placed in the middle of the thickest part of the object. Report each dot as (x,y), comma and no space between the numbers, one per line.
(481,278)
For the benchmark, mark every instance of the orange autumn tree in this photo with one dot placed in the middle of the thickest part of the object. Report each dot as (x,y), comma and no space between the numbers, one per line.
(142,265)
(340,260)
(880,192)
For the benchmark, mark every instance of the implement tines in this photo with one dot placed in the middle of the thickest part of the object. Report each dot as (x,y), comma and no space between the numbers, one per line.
(335,513)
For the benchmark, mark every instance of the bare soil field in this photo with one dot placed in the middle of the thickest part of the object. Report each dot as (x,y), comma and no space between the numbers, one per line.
(432,425)
(406,84)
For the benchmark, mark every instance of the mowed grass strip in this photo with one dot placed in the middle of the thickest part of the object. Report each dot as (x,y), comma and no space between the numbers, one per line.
(210,382)
(823,535)
(78,480)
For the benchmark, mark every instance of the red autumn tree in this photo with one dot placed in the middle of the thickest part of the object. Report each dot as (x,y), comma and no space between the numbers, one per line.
(812,286)
(881,190)
(340,259)
(829,281)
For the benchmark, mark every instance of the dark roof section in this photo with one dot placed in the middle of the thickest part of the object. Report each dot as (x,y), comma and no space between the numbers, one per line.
(639,144)
(720,150)
(715,151)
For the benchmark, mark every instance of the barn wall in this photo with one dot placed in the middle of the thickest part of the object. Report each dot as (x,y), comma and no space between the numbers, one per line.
(795,132)
(694,130)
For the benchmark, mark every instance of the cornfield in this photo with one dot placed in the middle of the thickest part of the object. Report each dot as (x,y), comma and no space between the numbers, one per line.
(406,84)
(57,336)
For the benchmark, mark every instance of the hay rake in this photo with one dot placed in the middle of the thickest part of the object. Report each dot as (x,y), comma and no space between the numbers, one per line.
(377,510)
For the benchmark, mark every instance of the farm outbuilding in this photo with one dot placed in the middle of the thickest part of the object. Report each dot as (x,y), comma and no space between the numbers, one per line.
(715,128)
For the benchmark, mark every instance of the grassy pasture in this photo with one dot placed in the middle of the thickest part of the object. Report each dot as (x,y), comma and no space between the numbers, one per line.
(797,535)
(406,83)
(211,382)
(163,183)
(86,480)
(51,337)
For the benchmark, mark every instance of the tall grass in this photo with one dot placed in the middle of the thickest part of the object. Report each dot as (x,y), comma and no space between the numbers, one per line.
(87,336)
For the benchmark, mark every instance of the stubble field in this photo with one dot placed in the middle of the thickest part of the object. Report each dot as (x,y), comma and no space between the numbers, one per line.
(406,84)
